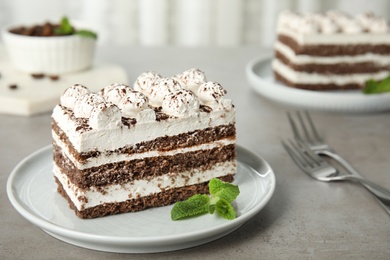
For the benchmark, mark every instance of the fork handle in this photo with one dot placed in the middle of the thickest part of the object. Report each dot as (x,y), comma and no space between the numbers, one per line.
(377,190)
(371,186)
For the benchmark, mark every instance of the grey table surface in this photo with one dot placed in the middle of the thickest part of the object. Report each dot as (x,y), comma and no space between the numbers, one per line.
(305,219)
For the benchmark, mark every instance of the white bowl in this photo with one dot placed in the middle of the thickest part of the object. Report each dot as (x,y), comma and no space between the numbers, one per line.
(49,55)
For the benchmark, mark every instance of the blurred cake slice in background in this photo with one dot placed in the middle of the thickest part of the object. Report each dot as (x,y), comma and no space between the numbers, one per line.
(331,50)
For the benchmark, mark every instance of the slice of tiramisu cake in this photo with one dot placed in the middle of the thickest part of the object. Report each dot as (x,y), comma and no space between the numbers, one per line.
(131,148)
(331,50)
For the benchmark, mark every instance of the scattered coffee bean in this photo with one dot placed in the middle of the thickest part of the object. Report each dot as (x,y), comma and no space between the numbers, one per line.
(37,75)
(54,77)
(13,86)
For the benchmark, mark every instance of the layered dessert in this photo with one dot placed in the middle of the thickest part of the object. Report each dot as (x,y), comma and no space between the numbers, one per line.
(331,50)
(126,149)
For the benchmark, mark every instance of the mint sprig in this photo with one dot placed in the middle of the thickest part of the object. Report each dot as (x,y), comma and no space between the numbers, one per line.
(65,28)
(223,190)
(222,194)
(195,205)
(225,209)
(376,87)
(86,33)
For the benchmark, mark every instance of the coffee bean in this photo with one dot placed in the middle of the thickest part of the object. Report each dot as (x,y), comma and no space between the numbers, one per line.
(37,75)
(46,29)
(54,77)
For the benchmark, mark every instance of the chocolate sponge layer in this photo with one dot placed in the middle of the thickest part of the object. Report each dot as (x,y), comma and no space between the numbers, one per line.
(161,144)
(334,49)
(280,78)
(335,68)
(147,168)
(163,198)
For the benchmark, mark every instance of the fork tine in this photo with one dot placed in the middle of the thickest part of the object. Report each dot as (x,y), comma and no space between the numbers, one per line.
(312,126)
(316,169)
(306,132)
(294,157)
(294,127)
(301,153)
(304,128)
(305,157)
(305,148)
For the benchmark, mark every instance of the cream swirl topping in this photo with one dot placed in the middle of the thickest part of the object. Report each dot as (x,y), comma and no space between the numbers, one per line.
(115,93)
(333,22)
(351,26)
(105,116)
(145,82)
(71,94)
(191,79)
(210,94)
(181,103)
(365,19)
(86,103)
(379,25)
(133,103)
(161,88)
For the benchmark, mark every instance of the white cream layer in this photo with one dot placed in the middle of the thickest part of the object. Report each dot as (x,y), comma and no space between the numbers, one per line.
(309,59)
(139,188)
(111,139)
(113,158)
(298,77)
(336,38)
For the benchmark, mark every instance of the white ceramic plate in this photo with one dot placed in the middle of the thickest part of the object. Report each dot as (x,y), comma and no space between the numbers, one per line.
(32,191)
(260,76)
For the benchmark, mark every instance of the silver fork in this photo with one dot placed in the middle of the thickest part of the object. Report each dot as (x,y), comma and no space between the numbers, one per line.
(319,169)
(310,136)
(310,163)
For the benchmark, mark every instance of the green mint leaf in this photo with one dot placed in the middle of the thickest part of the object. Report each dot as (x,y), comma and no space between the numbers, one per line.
(223,190)
(225,209)
(65,27)
(195,205)
(375,87)
(86,33)
(212,208)
(370,87)
(222,194)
